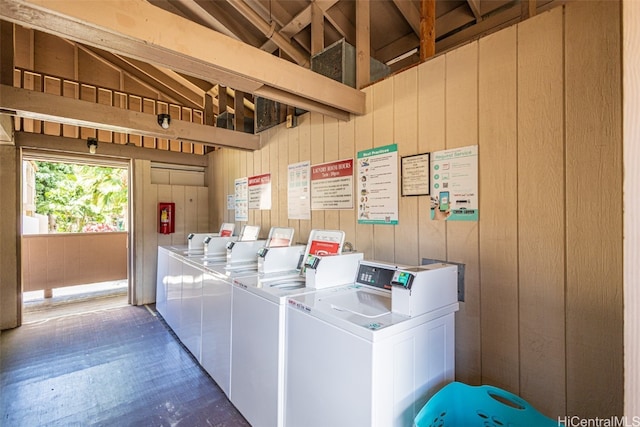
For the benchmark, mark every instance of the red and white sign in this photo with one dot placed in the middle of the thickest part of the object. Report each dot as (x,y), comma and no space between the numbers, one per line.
(332,185)
(260,191)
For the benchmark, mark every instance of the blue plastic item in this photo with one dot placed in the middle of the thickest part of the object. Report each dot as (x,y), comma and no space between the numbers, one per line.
(462,405)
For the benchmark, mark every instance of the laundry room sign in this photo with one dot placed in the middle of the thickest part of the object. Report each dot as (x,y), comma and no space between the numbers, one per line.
(378,185)
(332,185)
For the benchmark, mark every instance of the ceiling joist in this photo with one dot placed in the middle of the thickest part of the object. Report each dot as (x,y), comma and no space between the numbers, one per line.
(57,109)
(121,27)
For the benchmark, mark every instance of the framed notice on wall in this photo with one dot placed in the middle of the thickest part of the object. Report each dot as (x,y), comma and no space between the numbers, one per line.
(415,175)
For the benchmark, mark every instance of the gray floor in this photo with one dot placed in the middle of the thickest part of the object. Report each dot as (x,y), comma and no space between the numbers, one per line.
(110,367)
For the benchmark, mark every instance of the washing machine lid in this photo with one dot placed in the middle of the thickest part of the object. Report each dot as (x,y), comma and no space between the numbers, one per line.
(360,302)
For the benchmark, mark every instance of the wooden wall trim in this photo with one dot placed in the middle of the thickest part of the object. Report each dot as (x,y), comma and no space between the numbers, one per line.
(593,176)
(631,111)
(74,145)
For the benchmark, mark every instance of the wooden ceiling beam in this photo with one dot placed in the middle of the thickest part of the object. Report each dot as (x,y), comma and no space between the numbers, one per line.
(195,12)
(317,29)
(123,151)
(427,29)
(475,9)
(342,24)
(151,76)
(122,27)
(57,109)
(269,30)
(410,12)
(363,43)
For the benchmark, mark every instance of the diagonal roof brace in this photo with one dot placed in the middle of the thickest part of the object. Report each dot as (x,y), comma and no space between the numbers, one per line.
(138,30)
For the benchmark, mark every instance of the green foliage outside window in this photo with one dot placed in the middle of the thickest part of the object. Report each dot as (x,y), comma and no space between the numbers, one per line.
(82,198)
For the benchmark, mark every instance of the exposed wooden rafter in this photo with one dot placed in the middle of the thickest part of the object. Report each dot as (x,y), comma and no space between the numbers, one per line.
(269,30)
(410,12)
(57,109)
(475,9)
(74,145)
(427,29)
(151,76)
(121,27)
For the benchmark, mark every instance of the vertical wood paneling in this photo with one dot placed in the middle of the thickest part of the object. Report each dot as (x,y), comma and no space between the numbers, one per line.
(541,212)
(364,141)
(594,286)
(499,209)
(383,109)
(301,137)
(190,210)
(631,85)
(317,157)
(405,122)
(178,197)
(265,168)
(150,232)
(202,193)
(284,159)
(461,107)
(331,217)
(497,88)
(10,254)
(432,241)
(346,150)
(277,204)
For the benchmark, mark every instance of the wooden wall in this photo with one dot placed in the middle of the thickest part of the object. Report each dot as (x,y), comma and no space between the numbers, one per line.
(542,100)
(10,298)
(187,189)
(631,110)
(67,259)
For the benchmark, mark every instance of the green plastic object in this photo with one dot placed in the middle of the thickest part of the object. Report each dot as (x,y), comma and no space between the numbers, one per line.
(462,405)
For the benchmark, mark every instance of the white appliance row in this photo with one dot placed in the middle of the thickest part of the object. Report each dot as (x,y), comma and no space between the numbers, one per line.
(362,344)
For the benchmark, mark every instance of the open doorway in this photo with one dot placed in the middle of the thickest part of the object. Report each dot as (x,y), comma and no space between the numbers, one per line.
(75,229)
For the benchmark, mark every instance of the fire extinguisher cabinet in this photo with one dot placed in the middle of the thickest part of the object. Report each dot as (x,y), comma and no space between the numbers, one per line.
(166,218)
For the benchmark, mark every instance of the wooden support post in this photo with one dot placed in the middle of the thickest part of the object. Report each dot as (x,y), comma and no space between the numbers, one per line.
(363,43)
(6,77)
(209,112)
(6,53)
(528,9)
(238,106)
(317,29)
(223,102)
(427,29)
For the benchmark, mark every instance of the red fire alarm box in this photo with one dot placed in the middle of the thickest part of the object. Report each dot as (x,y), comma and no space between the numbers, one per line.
(166,219)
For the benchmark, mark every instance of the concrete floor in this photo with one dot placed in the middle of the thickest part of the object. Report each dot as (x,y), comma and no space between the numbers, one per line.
(73,300)
(109,367)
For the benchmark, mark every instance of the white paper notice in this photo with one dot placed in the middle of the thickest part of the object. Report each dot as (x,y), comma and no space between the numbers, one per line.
(242,199)
(298,194)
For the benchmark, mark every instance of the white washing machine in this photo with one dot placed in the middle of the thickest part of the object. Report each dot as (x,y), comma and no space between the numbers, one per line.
(258,336)
(241,261)
(351,361)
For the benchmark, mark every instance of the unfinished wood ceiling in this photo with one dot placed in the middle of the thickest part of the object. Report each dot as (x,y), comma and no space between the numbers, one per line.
(285,25)
(293,30)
